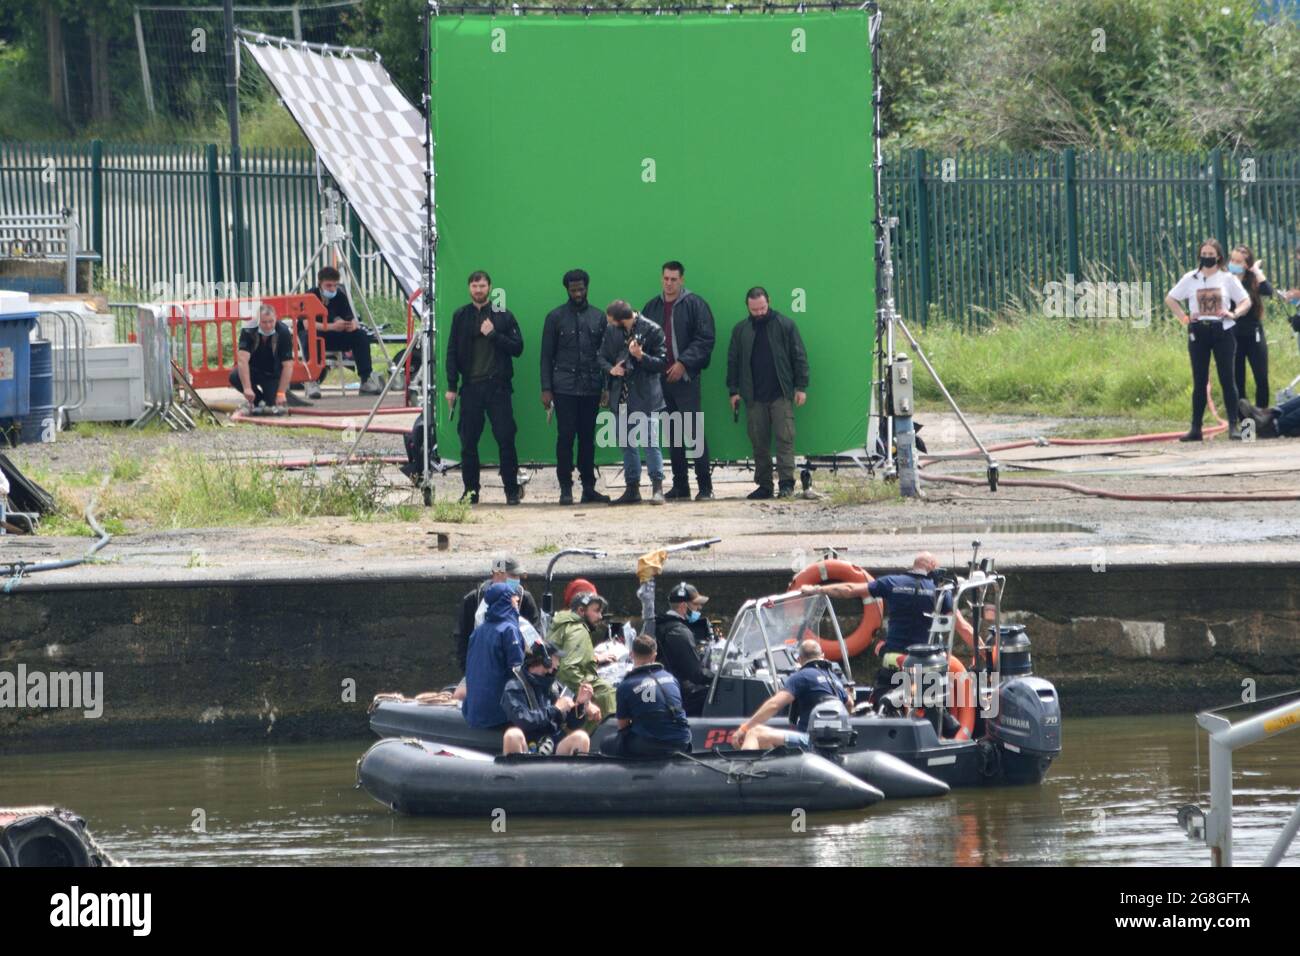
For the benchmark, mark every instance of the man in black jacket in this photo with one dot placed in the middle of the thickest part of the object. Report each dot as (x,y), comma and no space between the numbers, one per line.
(506,569)
(541,718)
(264,360)
(677,646)
(481,351)
(571,384)
(688,336)
(342,332)
(767,368)
(632,355)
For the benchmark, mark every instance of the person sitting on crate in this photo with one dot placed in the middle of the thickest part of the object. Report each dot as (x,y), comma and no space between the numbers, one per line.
(543,718)
(341,332)
(264,360)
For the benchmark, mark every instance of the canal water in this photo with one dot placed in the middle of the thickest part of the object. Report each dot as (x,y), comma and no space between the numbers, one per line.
(1109,800)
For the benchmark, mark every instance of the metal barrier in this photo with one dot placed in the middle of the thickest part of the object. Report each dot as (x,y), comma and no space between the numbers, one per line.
(204,335)
(1225,737)
(66,332)
(159,394)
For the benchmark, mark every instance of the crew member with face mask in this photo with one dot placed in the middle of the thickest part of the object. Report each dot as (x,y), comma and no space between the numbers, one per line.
(264,360)
(342,333)
(1215,300)
(1249,330)
(677,646)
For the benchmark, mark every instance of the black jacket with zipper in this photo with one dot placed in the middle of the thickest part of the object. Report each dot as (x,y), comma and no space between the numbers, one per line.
(640,387)
(693,332)
(788,353)
(571,342)
(507,340)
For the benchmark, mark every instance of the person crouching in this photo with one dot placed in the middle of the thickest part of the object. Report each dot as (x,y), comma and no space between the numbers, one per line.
(540,719)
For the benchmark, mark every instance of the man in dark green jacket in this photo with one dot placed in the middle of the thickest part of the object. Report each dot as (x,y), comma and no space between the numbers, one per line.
(767,367)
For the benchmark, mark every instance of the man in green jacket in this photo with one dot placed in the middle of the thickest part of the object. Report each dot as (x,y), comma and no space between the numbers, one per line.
(767,367)
(571,632)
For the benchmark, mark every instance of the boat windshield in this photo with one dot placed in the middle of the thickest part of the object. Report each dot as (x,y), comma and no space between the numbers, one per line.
(778,624)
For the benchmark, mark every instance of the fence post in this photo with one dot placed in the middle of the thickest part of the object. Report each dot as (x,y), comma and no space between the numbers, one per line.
(1220,198)
(922,231)
(1071,215)
(97,198)
(214,210)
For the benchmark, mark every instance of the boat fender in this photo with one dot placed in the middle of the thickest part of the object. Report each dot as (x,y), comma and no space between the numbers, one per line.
(44,841)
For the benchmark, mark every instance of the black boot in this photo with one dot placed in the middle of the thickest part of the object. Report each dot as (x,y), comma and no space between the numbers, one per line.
(630,496)
(678,493)
(1193,435)
(656,491)
(566,492)
(761,493)
(590,496)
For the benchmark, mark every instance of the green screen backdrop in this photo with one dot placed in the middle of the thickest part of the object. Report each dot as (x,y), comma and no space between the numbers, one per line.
(737,144)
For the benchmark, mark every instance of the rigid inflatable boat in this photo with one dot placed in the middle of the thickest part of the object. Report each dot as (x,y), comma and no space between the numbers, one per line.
(424,778)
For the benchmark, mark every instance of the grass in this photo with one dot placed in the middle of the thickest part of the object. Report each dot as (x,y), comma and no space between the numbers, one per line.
(187,490)
(842,490)
(1030,364)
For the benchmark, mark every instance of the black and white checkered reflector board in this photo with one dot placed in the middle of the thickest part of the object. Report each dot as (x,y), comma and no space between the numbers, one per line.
(368,135)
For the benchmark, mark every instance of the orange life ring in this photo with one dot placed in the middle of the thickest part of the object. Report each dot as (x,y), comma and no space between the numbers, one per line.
(834,570)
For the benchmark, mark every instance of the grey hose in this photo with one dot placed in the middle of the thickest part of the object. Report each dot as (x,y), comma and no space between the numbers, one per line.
(18,569)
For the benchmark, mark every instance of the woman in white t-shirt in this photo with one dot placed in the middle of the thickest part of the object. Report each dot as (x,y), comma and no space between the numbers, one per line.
(1215,300)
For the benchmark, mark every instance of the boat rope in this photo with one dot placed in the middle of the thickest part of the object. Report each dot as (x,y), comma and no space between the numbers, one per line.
(733,772)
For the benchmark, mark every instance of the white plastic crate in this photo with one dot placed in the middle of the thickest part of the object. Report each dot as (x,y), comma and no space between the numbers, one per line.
(114,384)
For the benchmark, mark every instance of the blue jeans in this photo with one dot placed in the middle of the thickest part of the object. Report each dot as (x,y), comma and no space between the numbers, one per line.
(641,422)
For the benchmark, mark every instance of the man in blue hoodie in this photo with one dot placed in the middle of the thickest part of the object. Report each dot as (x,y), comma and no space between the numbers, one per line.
(495,648)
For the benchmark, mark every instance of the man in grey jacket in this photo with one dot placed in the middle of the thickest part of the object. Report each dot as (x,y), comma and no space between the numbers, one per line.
(689,337)
(571,384)
(767,368)
(633,357)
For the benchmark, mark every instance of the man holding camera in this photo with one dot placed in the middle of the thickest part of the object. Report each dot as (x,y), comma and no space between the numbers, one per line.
(541,718)
(633,356)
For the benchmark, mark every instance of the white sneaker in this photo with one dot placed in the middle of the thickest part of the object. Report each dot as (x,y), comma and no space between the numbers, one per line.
(373,385)
(311,390)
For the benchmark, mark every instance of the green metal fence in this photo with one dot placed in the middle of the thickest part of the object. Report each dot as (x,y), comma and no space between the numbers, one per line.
(163,215)
(978,232)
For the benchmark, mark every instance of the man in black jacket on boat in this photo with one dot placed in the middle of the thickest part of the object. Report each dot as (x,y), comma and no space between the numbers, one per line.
(677,646)
(541,718)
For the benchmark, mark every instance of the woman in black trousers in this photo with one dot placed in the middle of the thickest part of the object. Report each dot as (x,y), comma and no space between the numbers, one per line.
(1215,301)
(1249,330)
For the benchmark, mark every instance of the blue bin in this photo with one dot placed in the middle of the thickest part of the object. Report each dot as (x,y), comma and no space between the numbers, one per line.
(15,364)
(39,424)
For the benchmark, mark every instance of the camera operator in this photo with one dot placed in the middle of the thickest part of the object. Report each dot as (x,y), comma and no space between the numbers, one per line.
(633,355)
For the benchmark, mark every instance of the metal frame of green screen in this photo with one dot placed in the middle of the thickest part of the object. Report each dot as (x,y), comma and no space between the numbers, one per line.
(431,463)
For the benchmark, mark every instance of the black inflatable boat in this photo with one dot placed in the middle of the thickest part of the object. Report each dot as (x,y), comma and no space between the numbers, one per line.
(425,778)
(443,724)
(45,837)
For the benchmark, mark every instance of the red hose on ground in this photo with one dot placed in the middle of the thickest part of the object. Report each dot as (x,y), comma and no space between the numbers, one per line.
(336,413)
(1221,427)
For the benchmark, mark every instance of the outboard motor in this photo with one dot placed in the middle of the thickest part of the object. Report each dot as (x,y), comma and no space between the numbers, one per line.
(926,667)
(829,728)
(1027,726)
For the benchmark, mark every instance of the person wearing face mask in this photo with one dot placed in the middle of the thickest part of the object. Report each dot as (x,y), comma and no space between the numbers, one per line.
(1216,300)
(1249,330)
(571,385)
(264,360)
(677,646)
(506,569)
(342,333)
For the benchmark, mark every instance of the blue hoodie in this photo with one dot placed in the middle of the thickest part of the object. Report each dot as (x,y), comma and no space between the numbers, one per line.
(495,647)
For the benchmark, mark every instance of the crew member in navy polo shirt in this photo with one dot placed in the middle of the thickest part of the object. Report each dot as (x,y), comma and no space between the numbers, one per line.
(909,604)
(814,682)
(651,719)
